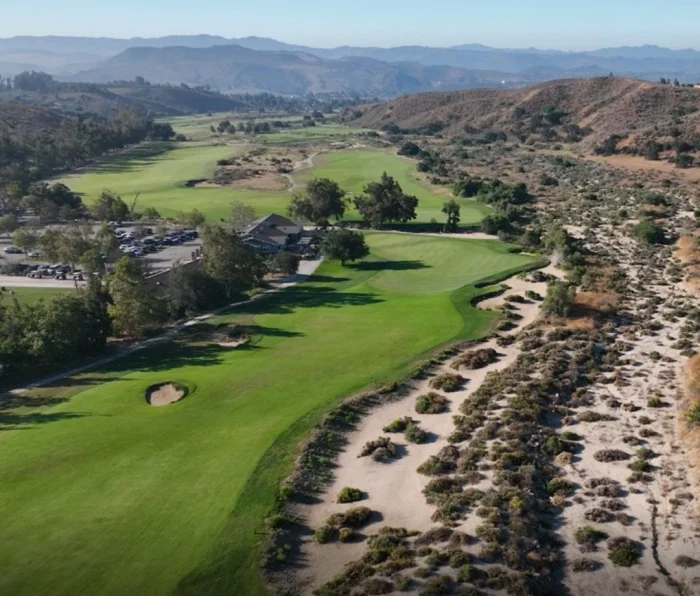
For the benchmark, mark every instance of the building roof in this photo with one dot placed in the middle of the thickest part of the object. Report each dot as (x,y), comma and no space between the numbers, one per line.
(273,222)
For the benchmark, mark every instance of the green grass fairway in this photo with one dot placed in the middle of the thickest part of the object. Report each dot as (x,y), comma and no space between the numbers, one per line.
(33,295)
(354,168)
(159,171)
(103,494)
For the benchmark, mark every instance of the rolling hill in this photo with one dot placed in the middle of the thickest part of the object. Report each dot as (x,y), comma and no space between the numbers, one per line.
(599,107)
(53,54)
(239,69)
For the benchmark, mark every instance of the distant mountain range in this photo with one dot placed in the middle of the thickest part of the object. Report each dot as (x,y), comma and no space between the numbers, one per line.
(224,63)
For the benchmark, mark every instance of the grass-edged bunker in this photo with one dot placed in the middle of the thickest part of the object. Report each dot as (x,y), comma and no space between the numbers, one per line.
(164,394)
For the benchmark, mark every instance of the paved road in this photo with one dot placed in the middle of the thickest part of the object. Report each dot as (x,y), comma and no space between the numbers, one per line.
(15,281)
(306,269)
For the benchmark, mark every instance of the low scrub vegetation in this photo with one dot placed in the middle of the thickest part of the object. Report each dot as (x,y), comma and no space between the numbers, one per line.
(431,403)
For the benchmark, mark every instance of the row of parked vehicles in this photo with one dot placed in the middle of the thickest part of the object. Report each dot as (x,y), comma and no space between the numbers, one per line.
(150,244)
(58,271)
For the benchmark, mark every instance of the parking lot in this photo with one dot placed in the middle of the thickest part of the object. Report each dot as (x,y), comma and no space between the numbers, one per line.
(159,260)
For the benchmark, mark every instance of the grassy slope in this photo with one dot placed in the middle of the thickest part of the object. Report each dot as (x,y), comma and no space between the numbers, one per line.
(352,169)
(111,496)
(160,175)
(33,295)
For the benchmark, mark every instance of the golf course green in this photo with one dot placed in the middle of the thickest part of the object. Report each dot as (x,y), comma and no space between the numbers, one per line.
(103,494)
(158,173)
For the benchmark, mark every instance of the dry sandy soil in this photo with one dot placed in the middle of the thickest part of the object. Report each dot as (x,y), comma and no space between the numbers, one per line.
(394,489)
(164,395)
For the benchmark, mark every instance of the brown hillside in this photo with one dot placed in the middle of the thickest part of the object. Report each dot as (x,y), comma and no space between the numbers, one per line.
(14,115)
(603,105)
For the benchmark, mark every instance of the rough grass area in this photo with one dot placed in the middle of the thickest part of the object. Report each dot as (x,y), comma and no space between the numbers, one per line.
(32,295)
(117,497)
(160,171)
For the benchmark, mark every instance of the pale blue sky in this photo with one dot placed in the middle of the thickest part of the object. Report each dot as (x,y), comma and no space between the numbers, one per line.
(563,24)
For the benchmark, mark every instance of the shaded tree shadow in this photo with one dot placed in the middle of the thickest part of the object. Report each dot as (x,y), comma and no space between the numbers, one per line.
(16,420)
(129,161)
(389,265)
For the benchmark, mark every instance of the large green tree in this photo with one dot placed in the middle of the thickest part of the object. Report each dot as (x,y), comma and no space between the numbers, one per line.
(385,202)
(230,262)
(135,308)
(110,207)
(451,209)
(345,245)
(322,200)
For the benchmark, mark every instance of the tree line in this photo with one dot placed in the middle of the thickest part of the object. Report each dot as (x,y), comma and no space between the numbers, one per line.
(124,304)
(28,154)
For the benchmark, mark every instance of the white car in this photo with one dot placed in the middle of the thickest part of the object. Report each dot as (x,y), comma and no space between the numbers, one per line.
(34,254)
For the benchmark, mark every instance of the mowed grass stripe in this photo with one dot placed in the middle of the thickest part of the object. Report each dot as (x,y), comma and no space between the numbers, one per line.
(108,495)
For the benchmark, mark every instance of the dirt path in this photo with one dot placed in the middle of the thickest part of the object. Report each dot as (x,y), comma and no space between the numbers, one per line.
(306,269)
(304,164)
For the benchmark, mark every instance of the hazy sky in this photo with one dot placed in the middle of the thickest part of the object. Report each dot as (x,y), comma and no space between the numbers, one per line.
(559,24)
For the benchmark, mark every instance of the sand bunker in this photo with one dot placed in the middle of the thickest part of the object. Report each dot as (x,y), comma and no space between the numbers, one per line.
(231,336)
(165,394)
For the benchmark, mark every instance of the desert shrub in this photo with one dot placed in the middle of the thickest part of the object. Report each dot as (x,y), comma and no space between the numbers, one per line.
(623,551)
(325,534)
(647,433)
(589,536)
(476,359)
(381,449)
(592,416)
(568,435)
(655,402)
(345,534)
(434,536)
(467,573)
(692,416)
(612,504)
(598,515)
(415,434)
(434,466)
(431,403)
(437,558)
(447,382)
(560,486)
(437,586)
(349,495)
(459,558)
(583,564)
(608,455)
(399,425)
(640,465)
(686,562)
(532,295)
(352,518)
(403,583)
(375,585)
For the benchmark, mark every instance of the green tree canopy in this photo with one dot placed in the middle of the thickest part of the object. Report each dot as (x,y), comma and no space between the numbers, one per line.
(451,209)
(345,245)
(385,202)
(230,262)
(322,200)
(110,207)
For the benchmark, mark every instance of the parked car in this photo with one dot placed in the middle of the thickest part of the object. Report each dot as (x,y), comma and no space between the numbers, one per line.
(12,250)
(33,254)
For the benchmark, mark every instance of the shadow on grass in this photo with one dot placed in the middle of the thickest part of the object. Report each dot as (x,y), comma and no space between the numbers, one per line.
(389,266)
(129,161)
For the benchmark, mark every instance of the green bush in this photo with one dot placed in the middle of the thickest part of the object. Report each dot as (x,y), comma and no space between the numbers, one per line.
(623,552)
(588,535)
(692,416)
(415,434)
(655,402)
(437,586)
(431,403)
(325,534)
(352,518)
(447,382)
(345,534)
(349,495)
(398,426)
